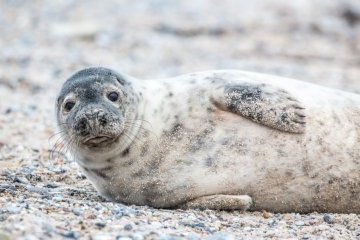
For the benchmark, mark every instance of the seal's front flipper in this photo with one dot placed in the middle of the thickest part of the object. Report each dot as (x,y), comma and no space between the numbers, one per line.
(262,103)
(220,202)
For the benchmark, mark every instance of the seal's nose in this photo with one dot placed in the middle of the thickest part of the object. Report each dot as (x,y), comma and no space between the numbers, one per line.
(97,116)
(82,126)
(91,121)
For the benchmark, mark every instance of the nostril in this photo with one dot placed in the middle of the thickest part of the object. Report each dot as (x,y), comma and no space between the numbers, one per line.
(103,121)
(82,125)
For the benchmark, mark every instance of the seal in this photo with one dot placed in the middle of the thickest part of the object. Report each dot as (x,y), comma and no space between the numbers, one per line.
(214,140)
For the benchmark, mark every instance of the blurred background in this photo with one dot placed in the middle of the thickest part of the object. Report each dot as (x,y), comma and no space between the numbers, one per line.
(42,42)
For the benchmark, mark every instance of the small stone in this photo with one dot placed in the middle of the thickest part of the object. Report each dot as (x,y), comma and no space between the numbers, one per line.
(70,234)
(299,223)
(33,177)
(3,217)
(101,236)
(8,110)
(221,236)
(170,237)
(7,187)
(12,208)
(313,222)
(58,198)
(192,236)
(328,219)
(20,180)
(122,238)
(272,222)
(128,227)
(100,224)
(266,214)
(77,211)
(306,236)
(51,185)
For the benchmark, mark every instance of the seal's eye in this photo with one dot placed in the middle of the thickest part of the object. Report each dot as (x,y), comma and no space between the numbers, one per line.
(69,105)
(113,96)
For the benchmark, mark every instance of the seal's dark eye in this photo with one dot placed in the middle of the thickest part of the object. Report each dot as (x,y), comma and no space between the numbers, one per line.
(113,96)
(69,105)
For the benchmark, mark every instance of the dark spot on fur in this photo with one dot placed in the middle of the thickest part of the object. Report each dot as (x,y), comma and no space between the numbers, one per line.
(144,150)
(210,109)
(171,94)
(209,161)
(244,93)
(306,168)
(128,162)
(233,107)
(281,153)
(259,116)
(125,152)
(289,174)
(152,191)
(176,128)
(139,173)
(284,117)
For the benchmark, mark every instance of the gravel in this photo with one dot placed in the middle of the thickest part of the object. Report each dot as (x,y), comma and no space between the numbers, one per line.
(42,193)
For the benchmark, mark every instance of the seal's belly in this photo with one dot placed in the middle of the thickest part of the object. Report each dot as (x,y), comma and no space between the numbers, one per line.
(281,171)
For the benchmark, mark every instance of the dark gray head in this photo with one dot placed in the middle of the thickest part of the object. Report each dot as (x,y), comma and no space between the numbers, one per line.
(92,108)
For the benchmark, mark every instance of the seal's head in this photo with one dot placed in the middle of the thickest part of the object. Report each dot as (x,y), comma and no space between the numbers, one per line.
(92,109)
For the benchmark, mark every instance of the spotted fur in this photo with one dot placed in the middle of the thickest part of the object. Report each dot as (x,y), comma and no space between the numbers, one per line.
(221,140)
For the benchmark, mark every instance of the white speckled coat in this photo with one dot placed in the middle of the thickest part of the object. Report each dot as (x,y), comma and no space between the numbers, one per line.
(187,140)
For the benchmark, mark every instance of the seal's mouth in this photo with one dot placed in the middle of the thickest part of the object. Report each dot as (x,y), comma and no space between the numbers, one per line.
(100,140)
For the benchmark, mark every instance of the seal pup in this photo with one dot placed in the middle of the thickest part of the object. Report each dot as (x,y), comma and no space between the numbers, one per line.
(214,140)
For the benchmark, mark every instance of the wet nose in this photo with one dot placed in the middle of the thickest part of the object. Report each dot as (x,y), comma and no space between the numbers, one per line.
(97,115)
(82,126)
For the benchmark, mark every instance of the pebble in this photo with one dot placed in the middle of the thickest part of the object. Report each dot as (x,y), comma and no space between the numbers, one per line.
(272,222)
(100,224)
(21,180)
(13,209)
(266,214)
(299,223)
(77,211)
(128,227)
(192,236)
(123,238)
(306,236)
(58,198)
(4,187)
(51,185)
(328,219)
(70,234)
(221,236)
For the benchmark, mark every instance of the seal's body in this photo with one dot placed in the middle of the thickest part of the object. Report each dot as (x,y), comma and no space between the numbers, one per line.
(220,140)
